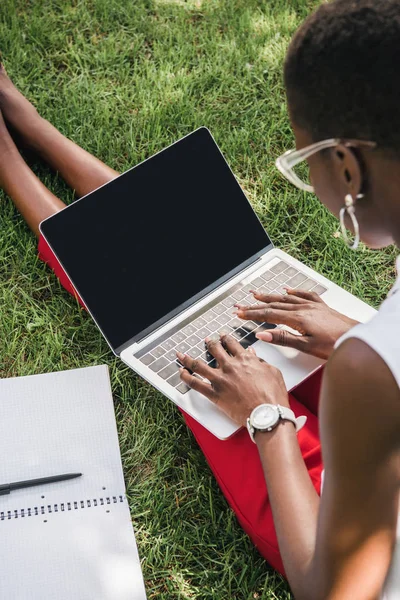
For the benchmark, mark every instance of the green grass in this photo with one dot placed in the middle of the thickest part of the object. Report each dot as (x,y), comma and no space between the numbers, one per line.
(124,79)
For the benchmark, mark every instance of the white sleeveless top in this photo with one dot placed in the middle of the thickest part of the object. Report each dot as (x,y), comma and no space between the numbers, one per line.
(382,334)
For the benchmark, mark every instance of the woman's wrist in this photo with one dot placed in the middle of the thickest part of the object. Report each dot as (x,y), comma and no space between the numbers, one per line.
(283,431)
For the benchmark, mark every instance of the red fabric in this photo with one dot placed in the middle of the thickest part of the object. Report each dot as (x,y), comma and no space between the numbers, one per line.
(237,467)
(47,256)
(235,462)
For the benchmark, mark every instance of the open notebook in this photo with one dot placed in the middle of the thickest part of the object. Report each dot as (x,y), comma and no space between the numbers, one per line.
(71,540)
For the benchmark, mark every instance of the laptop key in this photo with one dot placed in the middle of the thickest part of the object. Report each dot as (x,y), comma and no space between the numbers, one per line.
(235,323)
(189,330)
(267,288)
(171,355)
(238,295)
(203,333)
(178,337)
(183,388)
(249,340)
(219,309)
(320,289)
(264,327)
(257,282)
(229,301)
(225,331)
(147,359)
(193,340)
(214,337)
(214,326)
(281,278)
(194,352)
(209,316)
(157,352)
(249,300)
(168,344)
(169,370)
(306,285)
(199,323)
(267,276)
(175,379)
(247,288)
(239,333)
(296,280)
(159,364)
(183,347)
(249,326)
(279,267)
(291,272)
(223,319)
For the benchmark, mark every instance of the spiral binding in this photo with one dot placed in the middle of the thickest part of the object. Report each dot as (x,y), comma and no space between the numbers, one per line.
(62,507)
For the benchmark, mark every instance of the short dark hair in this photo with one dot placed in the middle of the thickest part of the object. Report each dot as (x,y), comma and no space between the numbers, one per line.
(342,72)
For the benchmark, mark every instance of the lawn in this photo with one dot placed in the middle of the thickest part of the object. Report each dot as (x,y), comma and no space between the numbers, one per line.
(124,79)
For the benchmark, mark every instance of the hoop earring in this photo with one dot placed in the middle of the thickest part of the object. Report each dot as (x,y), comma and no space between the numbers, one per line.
(350,210)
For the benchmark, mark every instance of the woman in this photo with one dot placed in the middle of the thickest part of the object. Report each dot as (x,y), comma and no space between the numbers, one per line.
(341,75)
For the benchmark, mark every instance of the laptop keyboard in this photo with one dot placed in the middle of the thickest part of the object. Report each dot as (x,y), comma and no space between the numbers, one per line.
(217,319)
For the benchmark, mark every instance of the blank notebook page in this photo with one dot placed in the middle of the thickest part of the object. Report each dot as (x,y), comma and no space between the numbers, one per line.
(73,539)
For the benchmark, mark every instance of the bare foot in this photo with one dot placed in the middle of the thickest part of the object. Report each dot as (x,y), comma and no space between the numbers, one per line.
(17,111)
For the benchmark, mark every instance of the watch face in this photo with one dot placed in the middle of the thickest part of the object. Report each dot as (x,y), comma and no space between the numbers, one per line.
(264,417)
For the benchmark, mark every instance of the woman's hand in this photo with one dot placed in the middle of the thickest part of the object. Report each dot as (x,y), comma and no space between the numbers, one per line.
(240,382)
(319,325)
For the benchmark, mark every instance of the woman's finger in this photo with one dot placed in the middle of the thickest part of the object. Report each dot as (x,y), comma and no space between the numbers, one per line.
(197,384)
(216,349)
(281,298)
(232,345)
(269,315)
(281,337)
(292,307)
(196,365)
(310,296)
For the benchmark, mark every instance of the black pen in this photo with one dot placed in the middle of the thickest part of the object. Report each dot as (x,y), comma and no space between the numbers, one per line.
(6,488)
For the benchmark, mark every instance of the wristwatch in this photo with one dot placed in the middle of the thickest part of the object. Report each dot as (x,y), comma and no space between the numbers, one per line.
(267,416)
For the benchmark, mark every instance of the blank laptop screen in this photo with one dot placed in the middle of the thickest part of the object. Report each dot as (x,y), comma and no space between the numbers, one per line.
(156,237)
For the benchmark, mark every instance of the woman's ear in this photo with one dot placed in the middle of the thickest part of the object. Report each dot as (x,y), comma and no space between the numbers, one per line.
(347,170)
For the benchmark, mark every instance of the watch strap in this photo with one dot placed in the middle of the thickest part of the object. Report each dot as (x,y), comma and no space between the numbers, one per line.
(285,414)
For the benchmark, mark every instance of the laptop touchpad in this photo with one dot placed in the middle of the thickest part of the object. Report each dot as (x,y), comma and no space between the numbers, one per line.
(295,365)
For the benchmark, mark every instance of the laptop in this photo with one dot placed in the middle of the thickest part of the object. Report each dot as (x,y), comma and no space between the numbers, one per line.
(161,254)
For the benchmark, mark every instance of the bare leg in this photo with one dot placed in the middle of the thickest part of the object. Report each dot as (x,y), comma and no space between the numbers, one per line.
(33,200)
(82,171)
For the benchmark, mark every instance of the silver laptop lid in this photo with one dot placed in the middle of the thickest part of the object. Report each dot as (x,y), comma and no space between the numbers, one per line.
(148,244)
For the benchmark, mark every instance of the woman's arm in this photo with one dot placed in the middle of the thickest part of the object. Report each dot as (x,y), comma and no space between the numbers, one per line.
(344,552)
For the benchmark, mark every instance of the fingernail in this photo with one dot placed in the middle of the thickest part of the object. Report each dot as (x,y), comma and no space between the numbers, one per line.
(266,337)
(180,355)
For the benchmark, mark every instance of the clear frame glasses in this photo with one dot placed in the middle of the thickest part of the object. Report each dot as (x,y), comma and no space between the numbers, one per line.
(291,164)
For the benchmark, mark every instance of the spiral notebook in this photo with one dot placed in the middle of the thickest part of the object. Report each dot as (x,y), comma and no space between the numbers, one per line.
(71,540)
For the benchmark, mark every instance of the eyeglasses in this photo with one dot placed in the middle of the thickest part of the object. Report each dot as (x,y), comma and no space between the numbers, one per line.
(291,164)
